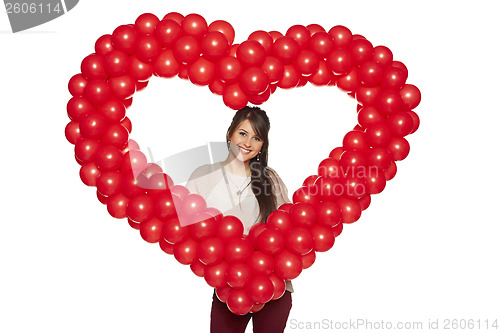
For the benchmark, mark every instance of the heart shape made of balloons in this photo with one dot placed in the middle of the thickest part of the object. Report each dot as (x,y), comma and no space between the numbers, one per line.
(247,271)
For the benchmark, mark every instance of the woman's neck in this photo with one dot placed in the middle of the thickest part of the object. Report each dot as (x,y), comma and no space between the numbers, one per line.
(237,167)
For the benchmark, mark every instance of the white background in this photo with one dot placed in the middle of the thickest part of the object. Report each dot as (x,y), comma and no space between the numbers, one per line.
(427,248)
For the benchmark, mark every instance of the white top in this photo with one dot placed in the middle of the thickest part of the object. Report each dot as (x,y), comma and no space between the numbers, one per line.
(233,195)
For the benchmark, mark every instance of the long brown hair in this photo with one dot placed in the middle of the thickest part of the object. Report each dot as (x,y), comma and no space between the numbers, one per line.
(261,183)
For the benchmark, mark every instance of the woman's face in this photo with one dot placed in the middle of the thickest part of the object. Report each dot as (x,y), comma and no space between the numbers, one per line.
(245,143)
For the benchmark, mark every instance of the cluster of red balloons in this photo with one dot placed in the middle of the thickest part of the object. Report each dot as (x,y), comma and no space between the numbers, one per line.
(247,271)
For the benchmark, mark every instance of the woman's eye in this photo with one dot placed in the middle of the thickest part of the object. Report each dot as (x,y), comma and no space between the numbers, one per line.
(257,139)
(243,133)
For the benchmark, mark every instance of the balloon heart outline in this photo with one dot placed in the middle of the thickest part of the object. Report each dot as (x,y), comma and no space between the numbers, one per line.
(247,271)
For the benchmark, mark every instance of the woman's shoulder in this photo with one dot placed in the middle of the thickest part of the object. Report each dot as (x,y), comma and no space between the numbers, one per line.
(204,170)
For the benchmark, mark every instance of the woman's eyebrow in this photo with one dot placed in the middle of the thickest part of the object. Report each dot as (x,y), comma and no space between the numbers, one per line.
(241,129)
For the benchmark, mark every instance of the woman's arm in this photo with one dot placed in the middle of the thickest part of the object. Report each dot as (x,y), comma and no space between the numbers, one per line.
(279,188)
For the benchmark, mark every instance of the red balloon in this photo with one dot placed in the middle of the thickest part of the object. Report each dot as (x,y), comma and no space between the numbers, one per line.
(291,77)
(223,293)
(97,92)
(251,53)
(275,35)
(285,49)
(323,238)
(348,82)
(352,162)
(330,167)
(378,157)
(390,172)
(260,289)
(323,76)
(234,97)
(89,173)
(322,44)
(341,35)
(116,62)
(378,135)
(115,135)
(255,232)
(308,259)
(140,208)
(93,67)
(300,34)
(273,68)
(399,148)
(166,205)
(108,158)
(315,28)
(214,45)
(303,215)
(139,70)
(337,230)
(124,38)
(185,252)
(146,23)
(168,32)
(238,275)
(299,240)
(113,110)
(368,115)
(76,84)
(279,285)
(375,182)
(198,268)
(109,183)
(400,123)
(211,251)
(166,246)
(159,183)
(388,102)
(201,72)
(205,228)
(361,51)
(151,230)
(351,210)
(194,25)
(393,78)
(336,153)
(122,87)
(365,201)
(416,121)
(238,250)
(254,81)
(370,73)
(259,99)
(93,125)
(166,65)
(187,49)
(367,96)
(174,16)
(223,27)
(173,232)
(86,150)
(72,132)
(328,213)
(307,62)
(271,241)
(383,55)
(103,44)
(305,194)
(287,265)
(410,95)
(279,220)
(217,87)
(355,187)
(239,302)
(117,205)
(230,227)
(228,69)
(260,263)
(147,48)
(102,198)
(264,38)
(355,140)
(215,275)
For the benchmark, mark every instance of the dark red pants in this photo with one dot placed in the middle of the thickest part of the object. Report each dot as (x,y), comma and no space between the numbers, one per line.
(271,319)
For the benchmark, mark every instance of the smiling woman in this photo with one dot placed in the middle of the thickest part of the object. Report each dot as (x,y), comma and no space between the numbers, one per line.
(244,186)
